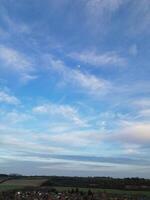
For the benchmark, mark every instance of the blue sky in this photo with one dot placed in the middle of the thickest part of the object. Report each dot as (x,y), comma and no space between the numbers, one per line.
(75,87)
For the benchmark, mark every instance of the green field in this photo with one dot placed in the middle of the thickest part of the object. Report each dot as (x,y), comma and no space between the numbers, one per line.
(24,182)
(112,191)
(9,187)
(20,183)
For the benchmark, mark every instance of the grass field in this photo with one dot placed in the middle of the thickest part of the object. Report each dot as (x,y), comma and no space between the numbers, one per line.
(9,187)
(112,191)
(20,183)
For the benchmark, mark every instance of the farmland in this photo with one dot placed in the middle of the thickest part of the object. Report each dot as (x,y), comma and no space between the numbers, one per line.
(9,187)
(111,191)
(71,184)
(24,182)
(21,183)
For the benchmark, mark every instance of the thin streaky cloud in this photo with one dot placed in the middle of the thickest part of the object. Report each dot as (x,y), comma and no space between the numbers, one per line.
(17,62)
(66,111)
(98,60)
(89,82)
(7,98)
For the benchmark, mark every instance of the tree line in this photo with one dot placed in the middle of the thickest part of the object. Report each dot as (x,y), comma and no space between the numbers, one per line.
(99,182)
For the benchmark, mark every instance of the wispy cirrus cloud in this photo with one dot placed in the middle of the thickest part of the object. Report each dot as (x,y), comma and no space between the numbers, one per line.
(145,113)
(89,82)
(17,62)
(97,59)
(75,138)
(14,59)
(100,11)
(7,98)
(102,6)
(14,117)
(142,103)
(139,17)
(16,139)
(143,106)
(65,111)
(19,143)
(15,26)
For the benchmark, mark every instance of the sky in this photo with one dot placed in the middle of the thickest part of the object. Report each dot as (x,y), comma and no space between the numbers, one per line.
(75,87)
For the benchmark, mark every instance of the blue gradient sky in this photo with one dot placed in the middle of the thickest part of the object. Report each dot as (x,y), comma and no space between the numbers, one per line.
(75,87)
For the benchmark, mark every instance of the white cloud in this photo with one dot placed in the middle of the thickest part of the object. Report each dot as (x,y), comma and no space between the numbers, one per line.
(15,26)
(133,133)
(139,17)
(17,62)
(16,139)
(142,103)
(8,98)
(14,59)
(131,149)
(143,106)
(67,112)
(90,81)
(75,138)
(145,113)
(14,117)
(27,77)
(76,77)
(26,145)
(103,5)
(96,59)
(100,10)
